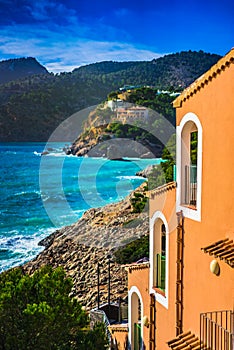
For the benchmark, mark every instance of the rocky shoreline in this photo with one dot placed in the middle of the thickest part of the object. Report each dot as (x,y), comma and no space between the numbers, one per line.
(78,248)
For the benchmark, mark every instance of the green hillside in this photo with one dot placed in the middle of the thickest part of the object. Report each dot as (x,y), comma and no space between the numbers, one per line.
(18,68)
(32,107)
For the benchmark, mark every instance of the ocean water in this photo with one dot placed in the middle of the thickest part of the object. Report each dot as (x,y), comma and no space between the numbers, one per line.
(42,193)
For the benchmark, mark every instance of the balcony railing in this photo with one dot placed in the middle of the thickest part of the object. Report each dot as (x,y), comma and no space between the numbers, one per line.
(217,330)
(137,337)
(190,197)
(161,265)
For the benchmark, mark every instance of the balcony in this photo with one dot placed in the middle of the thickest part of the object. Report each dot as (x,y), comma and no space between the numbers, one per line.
(217,330)
(190,190)
(160,271)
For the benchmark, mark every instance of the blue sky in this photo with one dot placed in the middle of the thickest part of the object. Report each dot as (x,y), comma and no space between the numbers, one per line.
(64,34)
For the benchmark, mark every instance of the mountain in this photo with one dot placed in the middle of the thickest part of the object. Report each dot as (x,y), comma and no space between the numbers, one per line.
(31,108)
(175,70)
(18,68)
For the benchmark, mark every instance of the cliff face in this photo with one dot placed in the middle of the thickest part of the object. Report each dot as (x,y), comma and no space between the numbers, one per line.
(114,148)
(92,240)
(105,135)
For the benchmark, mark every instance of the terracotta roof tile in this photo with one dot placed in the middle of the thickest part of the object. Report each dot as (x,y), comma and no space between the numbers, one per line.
(118,328)
(186,341)
(135,266)
(161,189)
(220,66)
(222,249)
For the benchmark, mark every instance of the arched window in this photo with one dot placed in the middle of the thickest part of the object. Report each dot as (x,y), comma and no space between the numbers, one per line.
(135,310)
(159,257)
(189,166)
(161,261)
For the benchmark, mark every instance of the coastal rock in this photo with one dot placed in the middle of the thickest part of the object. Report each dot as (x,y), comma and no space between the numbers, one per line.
(145,172)
(97,140)
(79,248)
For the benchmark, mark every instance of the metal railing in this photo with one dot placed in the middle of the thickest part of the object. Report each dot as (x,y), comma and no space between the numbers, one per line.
(190,194)
(217,330)
(161,270)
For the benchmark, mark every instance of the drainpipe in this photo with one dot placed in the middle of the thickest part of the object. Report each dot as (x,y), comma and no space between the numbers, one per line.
(179,273)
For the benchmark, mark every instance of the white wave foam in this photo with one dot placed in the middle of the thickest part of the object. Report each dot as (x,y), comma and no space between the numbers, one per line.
(38,154)
(55,154)
(23,193)
(21,248)
(126,177)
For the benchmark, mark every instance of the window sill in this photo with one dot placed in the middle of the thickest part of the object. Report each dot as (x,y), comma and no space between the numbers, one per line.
(189,206)
(159,291)
(190,211)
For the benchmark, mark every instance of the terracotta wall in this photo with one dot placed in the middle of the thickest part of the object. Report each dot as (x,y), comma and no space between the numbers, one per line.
(140,279)
(165,318)
(119,339)
(214,106)
(204,291)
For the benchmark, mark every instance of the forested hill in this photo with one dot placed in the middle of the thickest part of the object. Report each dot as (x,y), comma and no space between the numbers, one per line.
(175,70)
(32,107)
(14,69)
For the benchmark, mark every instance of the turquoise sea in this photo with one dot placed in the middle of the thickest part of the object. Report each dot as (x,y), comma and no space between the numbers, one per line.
(42,193)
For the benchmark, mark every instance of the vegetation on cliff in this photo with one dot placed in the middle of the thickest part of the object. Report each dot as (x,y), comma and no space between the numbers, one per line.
(164,172)
(139,202)
(37,312)
(151,133)
(152,98)
(133,251)
(32,107)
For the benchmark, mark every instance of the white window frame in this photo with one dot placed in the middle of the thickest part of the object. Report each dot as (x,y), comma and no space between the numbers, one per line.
(162,299)
(135,290)
(191,213)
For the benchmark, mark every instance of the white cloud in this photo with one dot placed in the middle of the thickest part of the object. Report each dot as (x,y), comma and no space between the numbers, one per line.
(61,50)
(80,53)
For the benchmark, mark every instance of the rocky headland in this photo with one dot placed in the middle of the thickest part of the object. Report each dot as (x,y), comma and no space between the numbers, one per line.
(79,248)
(100,144)
(106,135)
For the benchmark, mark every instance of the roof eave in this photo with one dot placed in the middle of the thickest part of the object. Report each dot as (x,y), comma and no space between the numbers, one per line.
(204,79)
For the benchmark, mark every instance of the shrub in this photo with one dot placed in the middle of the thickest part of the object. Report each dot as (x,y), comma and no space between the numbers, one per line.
(37,312)
(139,202)
(133,251)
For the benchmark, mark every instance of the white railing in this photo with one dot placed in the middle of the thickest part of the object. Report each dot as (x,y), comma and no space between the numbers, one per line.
(217,330)
(190,194)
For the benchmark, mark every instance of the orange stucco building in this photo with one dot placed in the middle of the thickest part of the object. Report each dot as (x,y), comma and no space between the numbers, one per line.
(184,298)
